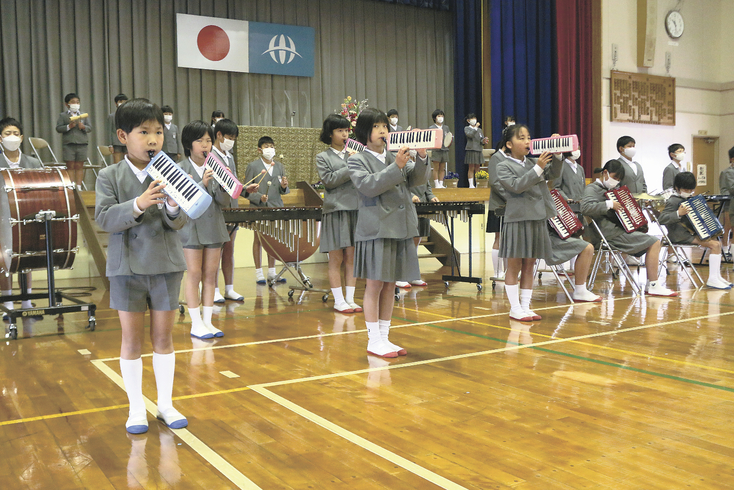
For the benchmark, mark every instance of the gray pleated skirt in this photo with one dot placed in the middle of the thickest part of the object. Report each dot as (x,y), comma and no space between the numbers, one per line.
(386,259)
(635,243)
(337,230)
(564,250)
(424,227)
(473,157)
(526,240)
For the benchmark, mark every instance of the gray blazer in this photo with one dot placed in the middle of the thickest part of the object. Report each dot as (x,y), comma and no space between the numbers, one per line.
(209,228)
(474,138)
(229,161)
(171,140)
(635,183)
(274,190)
(386,209)
(670,218)
(26,161)
(571,184)
(147,245)
(726,185)
(424,191)
(73,136)
(445,130)
(498,195)
(112,129)
(528,197)
(340,194)
(669,174)
(594,205)
(391,130)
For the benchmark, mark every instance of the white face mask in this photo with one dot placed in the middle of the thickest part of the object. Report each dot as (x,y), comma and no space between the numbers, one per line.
(680,156)
(268,153)
(575,155)
(74,107)
(439,120)
(472,122)
(686,195)
(11,143)
(168,118)
(611,183)
(630,152)
(510,123)
(228,144)
(394,121)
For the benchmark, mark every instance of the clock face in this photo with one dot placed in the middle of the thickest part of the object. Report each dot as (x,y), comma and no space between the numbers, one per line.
(674,24)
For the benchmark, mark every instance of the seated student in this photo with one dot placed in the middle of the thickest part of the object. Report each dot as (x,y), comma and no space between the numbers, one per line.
(171,139)
(11,136)
(572,182)
(726,186)
(117,148)
(596,205)
(634,176)
(272,186)
(75,138)
(677,154)
(673,217)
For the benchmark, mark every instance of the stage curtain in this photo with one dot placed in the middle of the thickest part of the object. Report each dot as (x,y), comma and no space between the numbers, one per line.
(430,4)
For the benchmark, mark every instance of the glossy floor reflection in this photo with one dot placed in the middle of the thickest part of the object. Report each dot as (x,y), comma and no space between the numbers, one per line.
(633,392)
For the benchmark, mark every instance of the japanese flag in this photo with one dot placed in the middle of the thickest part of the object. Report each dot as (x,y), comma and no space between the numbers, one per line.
(212,43)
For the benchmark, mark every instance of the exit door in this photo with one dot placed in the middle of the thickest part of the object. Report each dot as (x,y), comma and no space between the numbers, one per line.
(703,161)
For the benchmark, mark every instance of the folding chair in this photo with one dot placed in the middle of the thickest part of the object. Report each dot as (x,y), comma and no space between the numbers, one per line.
(104,152)
(560,273)
(39,144)
(610,258)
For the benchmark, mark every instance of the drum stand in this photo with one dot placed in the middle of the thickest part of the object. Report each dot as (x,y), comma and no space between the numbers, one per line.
(454,260)
(55,306)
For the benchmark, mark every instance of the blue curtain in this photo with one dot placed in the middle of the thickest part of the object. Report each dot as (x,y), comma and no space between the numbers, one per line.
(524,65)
(467,75)
(431,4)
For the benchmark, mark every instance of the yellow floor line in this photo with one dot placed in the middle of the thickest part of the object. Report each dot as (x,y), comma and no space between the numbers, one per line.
(360,441)
(61,415)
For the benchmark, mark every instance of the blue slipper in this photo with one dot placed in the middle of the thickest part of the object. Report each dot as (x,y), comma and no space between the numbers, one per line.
(262,281)
(172,418)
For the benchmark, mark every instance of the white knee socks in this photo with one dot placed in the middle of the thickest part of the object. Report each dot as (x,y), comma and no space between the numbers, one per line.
(132,377)
(164,367)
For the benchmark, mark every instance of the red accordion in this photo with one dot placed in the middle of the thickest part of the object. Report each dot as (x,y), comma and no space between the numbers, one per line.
(566,223)
(630,216)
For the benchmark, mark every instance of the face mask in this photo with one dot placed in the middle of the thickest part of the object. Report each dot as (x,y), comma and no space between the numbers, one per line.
(575,155)
(167,118)
(610,183)
(394,121)
(510,123)
(630,152)
(74,107)
(680,156)
(11,143)
(686,195)
(472,122)
(439,120)
(268,153)
(228,144)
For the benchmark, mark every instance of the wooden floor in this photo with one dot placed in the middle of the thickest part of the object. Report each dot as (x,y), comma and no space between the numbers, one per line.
(628,394)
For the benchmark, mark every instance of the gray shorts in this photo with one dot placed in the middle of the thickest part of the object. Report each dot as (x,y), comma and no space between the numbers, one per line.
(202,247)
(159,292)
(440,156)
(75,152)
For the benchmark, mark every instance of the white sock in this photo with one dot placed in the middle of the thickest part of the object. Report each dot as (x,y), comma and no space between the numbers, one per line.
(385,334)
(580,289)
(132,377)
(195,316)
(164,367)
(513,295)
(496,261)
(216,291)
(715,266)
(228,288)
(338,295)
(525,296)
(271,271)
(27,303)
(471,182)
(375,344)
(8,304)
(435,183)
(350,293)
(206,315)
(259,274)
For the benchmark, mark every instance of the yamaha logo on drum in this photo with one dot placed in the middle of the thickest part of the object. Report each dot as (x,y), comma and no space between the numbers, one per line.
(282,47)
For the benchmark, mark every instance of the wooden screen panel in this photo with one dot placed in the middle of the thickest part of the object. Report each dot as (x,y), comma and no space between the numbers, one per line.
(641,98)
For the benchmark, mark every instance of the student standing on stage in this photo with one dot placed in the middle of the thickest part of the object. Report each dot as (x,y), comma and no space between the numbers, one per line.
(145,261)
(387,223)
(117,148)
(171,139)
(74,139)
(634,176)
(726,186)
(216,117)
(677,154)
(596,205)
(439,158)
(202,237)
(676,209)
(339,211)
(475,141)
(525,236)
(392,117)
(273,185)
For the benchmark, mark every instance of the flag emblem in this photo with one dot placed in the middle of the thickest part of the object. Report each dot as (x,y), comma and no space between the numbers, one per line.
(281,47)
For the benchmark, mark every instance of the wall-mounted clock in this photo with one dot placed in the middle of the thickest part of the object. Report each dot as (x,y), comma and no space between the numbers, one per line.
(674,24)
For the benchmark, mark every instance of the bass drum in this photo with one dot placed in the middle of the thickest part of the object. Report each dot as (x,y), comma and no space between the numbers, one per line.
(302,248)
(27,192)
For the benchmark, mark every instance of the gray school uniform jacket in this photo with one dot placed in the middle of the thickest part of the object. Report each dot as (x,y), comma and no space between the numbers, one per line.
(669,173)
(209,228)
(340,194)
(673,222)
(171,143)
(445,130)
(726,185)
(147,245)
(228,159)
(571,184)
(424,191)
(528,197)
(594,205)
(474,138)
(26,161)
(385,201)
(635,183)
(498,194)
(397,128)
(73,136)
(274,191)
(112,130)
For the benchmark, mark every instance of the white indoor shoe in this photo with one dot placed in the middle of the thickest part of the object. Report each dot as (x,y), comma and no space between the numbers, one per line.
(717,283)
(586,296)
(658,289)
(402,285)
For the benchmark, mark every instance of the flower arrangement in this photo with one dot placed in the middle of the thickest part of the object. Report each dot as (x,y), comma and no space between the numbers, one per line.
(452,175)
(350,109)
(481,175)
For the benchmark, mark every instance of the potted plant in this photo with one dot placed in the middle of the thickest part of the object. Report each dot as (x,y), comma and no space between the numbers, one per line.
(451,179)
(482,179)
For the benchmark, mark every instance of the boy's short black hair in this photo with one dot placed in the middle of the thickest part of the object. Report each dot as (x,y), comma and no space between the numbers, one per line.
(264,141)
(192,132)
(332,122)
(9,121)
(470,116)
(366,120)
(135,112)
(227,127)
(731,152)
(675,147)
(624,141)
(436,113)
(70,96)
(167,108)
(217,113)
(684,180)
(120,97)
(614,167)
(392,112)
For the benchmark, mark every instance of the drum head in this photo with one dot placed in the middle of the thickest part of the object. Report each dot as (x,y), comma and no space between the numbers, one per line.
(448,138)
(6,232)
